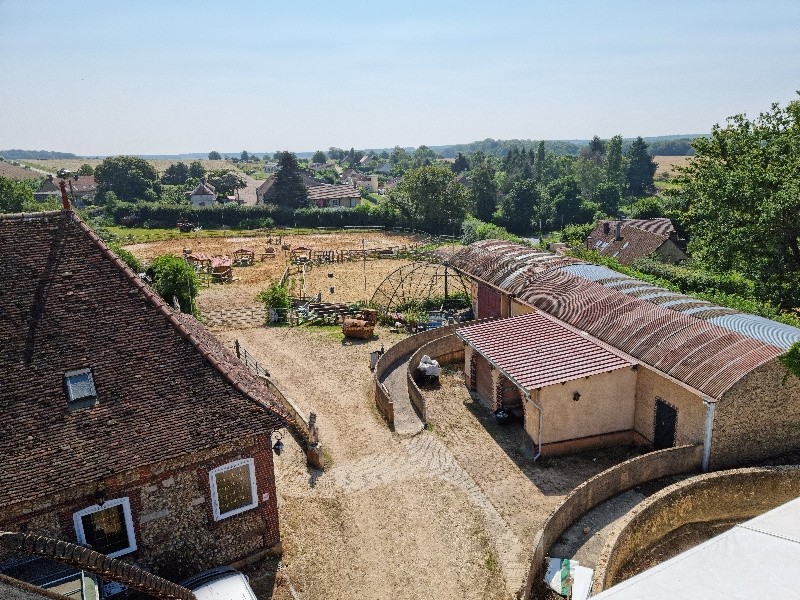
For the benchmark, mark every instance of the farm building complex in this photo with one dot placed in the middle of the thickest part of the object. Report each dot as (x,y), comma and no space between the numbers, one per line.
(591,356)
(125,425)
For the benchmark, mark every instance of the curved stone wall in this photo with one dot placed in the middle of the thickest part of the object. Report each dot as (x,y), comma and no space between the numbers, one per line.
(445,349)
(735,495)
(601,487)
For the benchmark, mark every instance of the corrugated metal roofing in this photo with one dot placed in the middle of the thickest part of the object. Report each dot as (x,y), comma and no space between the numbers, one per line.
(536,350)
(706,346)
(759,328)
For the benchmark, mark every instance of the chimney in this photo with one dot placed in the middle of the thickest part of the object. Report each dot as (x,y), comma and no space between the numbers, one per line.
(64,200)
(606,228)
(618,234)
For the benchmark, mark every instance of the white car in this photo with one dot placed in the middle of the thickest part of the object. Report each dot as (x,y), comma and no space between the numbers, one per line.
(222,583)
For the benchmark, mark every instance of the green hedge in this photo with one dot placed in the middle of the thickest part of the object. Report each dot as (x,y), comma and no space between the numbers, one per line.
(696,280)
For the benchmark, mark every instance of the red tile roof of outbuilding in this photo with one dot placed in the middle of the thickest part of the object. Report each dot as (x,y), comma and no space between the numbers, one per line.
(536,350)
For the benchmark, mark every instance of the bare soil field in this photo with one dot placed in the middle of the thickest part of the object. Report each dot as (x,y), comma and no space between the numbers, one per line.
(347,280)
(15,172)
(668,163)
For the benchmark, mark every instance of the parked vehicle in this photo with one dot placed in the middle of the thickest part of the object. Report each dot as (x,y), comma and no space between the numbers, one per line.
(221,583)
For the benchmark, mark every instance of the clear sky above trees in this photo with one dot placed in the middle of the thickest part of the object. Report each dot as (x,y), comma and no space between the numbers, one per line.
(138,80)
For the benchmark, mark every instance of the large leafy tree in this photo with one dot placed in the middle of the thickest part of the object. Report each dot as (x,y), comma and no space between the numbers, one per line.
(741,194)
(460,164)
(226,182)
(641,168)
(519,206)
(615,167)
(484,191)
(430,198)
(174,279)
(176,174)
(319,157)
(197,170)
(14,195)
(129,177)
(288,189)
(214,155)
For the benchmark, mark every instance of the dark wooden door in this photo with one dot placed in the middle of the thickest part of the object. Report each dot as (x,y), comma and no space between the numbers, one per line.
(666,417)
(488,302)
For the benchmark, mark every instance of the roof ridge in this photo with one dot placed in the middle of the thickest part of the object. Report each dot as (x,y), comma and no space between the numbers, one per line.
(31,216)
(171,317)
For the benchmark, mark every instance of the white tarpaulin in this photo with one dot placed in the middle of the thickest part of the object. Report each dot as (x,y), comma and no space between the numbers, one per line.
(757,559)
(568,578)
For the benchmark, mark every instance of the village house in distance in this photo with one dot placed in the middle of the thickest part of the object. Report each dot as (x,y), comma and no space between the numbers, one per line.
(123,424)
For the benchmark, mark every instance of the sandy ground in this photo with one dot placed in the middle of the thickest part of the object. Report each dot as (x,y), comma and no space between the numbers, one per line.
(449,513)
(668,163)
(347,280)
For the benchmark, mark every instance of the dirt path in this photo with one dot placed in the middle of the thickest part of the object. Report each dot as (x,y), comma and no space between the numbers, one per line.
(448,513)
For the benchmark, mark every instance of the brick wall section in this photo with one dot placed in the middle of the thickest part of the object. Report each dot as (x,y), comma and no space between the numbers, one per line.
(601,487)
(170,504)
(726,495)
(757,417)
(447,349)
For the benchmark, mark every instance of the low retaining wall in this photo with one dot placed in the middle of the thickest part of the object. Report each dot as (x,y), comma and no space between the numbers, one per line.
(402,348)
(736,495)
(445,349)
(601,487)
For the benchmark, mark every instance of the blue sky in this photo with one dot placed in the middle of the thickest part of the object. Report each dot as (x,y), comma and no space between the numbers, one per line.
(156,77)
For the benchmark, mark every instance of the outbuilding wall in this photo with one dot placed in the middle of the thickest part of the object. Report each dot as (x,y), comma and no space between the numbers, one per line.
(757,417)
(606,405)
(650,386)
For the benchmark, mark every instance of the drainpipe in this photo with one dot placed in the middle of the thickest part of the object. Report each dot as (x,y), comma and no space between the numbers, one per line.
(528,398)
(711,408)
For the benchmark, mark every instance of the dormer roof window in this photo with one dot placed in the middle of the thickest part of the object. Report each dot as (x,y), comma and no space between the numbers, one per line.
(79,386)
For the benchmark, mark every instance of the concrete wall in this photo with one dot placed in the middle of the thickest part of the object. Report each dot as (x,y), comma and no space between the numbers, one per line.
(601,487)
(170,503)
(606,405)
(447,349)
(757,418)
(726,495)
(402,348)
(691,418)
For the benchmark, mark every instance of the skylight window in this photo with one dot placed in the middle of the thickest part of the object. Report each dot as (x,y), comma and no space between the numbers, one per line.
(79,386)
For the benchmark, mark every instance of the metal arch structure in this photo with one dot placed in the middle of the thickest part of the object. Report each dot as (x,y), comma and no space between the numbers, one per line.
(418,281)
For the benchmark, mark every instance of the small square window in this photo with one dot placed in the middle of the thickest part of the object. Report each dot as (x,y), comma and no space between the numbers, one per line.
(79,385)
(107,527)
(233,488)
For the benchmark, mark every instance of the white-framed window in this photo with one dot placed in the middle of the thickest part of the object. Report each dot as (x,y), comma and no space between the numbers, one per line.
(233,488)
(107,527)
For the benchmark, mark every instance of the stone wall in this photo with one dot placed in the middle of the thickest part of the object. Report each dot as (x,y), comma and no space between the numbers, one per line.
(170,504)
(601,487)
(758,417)
(736,495)
(446,350)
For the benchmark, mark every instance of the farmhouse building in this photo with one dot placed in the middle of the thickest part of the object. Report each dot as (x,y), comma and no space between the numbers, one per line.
(203,195)
(629,239)
(123,424)
(81,189)
(263,189)
(591,357)
(326,195)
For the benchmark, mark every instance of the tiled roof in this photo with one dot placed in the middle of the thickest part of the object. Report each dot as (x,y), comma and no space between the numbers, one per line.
(708,347)
(204,189)
(326,191)
(536,350)
(165,386)
(83,184)
(638,238)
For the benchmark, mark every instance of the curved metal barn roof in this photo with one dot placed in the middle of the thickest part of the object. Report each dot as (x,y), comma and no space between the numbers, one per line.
(709,347)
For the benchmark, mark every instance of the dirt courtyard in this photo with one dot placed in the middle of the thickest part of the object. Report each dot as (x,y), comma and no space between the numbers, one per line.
(449,513)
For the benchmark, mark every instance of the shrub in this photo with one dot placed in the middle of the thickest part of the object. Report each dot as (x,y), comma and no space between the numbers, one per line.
(275,297)
(174,279)
(129,259)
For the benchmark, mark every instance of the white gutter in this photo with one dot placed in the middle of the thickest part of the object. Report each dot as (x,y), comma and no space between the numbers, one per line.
(711,408)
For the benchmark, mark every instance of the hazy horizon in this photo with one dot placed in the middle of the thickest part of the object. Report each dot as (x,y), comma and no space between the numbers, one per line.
(167,78)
